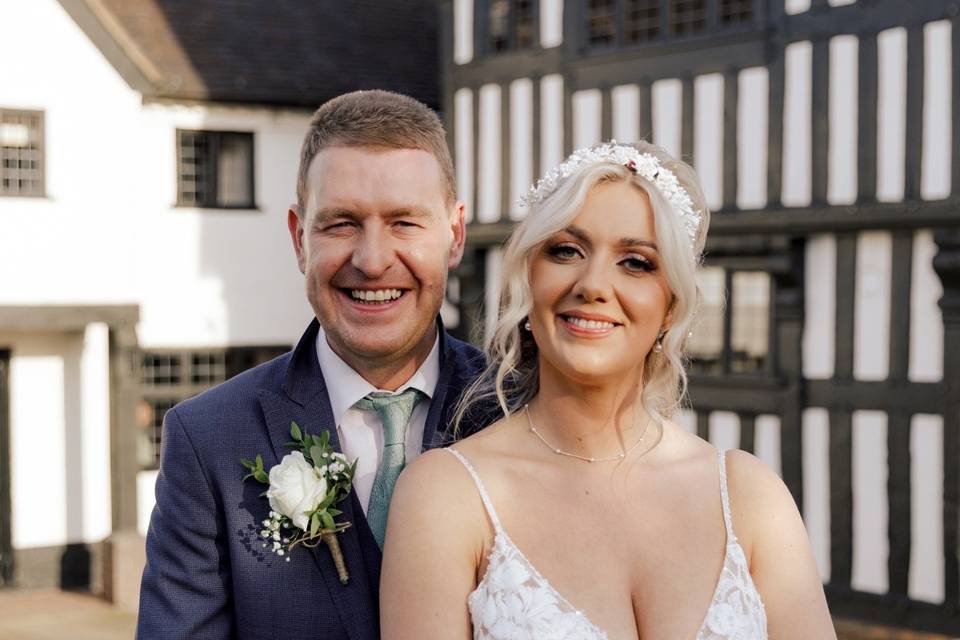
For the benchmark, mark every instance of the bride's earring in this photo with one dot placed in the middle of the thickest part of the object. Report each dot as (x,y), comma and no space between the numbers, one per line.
(658,345)
(526,325)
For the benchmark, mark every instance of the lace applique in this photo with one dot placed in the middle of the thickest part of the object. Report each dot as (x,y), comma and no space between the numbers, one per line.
(515,602)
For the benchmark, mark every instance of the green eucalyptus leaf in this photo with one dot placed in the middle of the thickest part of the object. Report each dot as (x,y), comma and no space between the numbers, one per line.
(316,454)
(295,432)
(259,462)
(261,476)
(327,519)
(314,524)
(325,439)
(334,512)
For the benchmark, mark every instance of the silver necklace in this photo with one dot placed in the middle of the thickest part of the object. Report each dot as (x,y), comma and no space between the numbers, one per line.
(559,451)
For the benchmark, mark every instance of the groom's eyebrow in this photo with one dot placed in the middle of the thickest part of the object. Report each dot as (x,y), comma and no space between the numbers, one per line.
(332,213)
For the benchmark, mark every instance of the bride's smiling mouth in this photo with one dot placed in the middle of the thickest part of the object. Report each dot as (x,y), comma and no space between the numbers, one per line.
(588,325)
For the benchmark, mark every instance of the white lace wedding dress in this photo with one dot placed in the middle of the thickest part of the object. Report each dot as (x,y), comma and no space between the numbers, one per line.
(514,602)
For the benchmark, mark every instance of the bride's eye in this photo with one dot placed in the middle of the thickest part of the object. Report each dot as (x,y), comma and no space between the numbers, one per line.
(638,264)
(564,252)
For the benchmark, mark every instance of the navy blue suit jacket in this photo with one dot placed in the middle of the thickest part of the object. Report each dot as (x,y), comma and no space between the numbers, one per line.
(207,574)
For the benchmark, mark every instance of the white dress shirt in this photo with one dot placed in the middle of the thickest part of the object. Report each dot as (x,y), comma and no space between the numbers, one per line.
(361,432)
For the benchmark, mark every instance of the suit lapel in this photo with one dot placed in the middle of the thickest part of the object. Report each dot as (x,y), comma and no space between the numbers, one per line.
(305,401)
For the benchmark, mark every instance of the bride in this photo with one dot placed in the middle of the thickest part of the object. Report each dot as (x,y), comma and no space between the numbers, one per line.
(586,513)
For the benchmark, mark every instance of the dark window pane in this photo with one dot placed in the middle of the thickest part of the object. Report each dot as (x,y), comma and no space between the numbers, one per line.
(21,147)
(215,169)
(499,25)
(750,302)
(523,24)
(601,22)
(642,20)
(735,11)
(687,17)
(705,346)
(233,171)
(161,369)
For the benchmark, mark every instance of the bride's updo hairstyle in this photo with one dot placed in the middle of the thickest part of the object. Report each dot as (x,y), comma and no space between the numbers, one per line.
(512,374)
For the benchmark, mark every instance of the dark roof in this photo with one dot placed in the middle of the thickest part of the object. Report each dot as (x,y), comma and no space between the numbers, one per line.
(280,52)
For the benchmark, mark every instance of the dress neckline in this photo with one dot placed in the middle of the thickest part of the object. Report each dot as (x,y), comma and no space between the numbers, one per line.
(501,535)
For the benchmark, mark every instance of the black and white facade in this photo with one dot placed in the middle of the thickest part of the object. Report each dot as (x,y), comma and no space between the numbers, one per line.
(826,136)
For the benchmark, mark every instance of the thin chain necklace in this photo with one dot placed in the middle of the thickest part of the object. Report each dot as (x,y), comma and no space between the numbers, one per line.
(559,451)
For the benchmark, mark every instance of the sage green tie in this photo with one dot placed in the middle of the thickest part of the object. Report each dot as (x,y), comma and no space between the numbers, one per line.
(394,411)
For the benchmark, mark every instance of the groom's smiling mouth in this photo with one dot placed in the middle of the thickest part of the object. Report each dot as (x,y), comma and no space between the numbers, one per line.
(374,296)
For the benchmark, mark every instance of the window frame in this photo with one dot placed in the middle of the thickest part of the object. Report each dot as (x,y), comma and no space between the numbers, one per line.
(216,136)
(482,28)
(713,28)
(40,115)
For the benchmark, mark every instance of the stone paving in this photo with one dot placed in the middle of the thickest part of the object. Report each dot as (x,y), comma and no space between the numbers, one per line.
(50,614)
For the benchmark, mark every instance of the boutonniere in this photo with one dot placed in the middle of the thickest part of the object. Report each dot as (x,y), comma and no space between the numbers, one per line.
(303,491)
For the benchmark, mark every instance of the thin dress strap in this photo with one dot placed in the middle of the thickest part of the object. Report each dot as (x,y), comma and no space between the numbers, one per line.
(725,497)
(483,492)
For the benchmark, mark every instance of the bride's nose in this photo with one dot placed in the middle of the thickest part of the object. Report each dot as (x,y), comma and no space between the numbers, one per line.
(593,284)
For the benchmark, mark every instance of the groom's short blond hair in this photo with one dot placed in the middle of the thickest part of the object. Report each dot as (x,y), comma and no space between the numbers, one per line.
(379,119)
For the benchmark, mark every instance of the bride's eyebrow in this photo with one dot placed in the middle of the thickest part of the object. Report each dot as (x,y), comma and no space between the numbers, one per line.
(630,243)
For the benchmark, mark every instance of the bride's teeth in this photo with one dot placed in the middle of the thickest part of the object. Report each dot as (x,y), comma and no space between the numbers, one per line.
(589,324)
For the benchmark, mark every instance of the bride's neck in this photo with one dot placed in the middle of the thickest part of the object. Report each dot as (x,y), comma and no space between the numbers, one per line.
(592,418)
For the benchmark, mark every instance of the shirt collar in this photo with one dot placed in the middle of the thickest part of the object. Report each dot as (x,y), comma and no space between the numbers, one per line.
(345,386)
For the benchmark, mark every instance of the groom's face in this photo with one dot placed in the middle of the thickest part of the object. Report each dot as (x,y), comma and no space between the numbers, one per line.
(375,242)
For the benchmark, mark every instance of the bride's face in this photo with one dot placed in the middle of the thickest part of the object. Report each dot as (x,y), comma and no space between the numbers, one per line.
(599,295)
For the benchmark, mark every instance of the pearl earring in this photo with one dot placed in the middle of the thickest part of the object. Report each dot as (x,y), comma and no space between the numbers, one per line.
(658,346)
(526,325)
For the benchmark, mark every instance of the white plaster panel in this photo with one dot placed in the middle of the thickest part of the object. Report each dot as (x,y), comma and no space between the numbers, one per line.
(766,441)
(870,507)
(926,317)
(842,145)
(797,110)
(463,147)
(794,7)
(521,143)
(815,436)
(488,180)
(667,105)
(724,429)
(626,112)
(146,499)
(937,103)
(551,23)
(551,121)
(94,453)
(44,392)
(871,331)
(752,138)
(462,31)
(586,117)
(925,582)
(493,271)
(840,3)
(820,305)
(708,136)
(891,113)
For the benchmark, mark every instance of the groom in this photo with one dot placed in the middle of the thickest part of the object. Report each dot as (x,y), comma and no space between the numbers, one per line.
(375,229)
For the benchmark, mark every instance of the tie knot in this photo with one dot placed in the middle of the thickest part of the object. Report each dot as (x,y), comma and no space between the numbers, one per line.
(394,410)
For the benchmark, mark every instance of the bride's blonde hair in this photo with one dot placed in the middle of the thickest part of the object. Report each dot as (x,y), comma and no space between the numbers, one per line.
(512,373)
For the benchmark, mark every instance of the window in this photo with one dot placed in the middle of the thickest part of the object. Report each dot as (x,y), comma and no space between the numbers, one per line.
(171,376)
(687,17)
(601,22)
(731,333)
(511,25)
(735,11)
(21,153)
(215,169)
(642,20)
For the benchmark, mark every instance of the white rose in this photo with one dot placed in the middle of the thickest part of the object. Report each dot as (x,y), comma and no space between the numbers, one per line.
(296,488)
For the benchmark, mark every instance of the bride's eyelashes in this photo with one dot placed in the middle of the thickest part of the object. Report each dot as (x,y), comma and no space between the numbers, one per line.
(565,252)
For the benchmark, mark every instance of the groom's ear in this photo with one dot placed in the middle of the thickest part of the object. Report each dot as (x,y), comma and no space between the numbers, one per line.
(459,230)
(295,225)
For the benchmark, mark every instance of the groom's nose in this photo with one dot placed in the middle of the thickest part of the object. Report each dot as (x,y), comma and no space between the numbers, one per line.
(373,253)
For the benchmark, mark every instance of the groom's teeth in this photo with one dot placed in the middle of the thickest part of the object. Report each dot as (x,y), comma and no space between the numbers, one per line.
(375,295)
(589,324)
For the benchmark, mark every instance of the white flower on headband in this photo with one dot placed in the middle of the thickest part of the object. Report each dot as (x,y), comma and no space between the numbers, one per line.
(643,164)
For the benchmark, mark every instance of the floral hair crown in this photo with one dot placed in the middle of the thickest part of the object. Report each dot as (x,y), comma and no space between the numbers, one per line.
(643,164)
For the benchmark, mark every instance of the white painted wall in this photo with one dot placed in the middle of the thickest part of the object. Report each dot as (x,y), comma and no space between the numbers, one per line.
(108,231)
(891,113)
(462,31)
(815,432)
(926,317)
(488,175)
(667,104)
(797,110)
(925,580)
(724,429)
(752,88)
(625,112)
(551,23)
(463,147)
(521,143)
(551,122)
(586,117)
(937,103)
(842,144)
(871,328)
(708,136)
(870,505)
(820,306)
